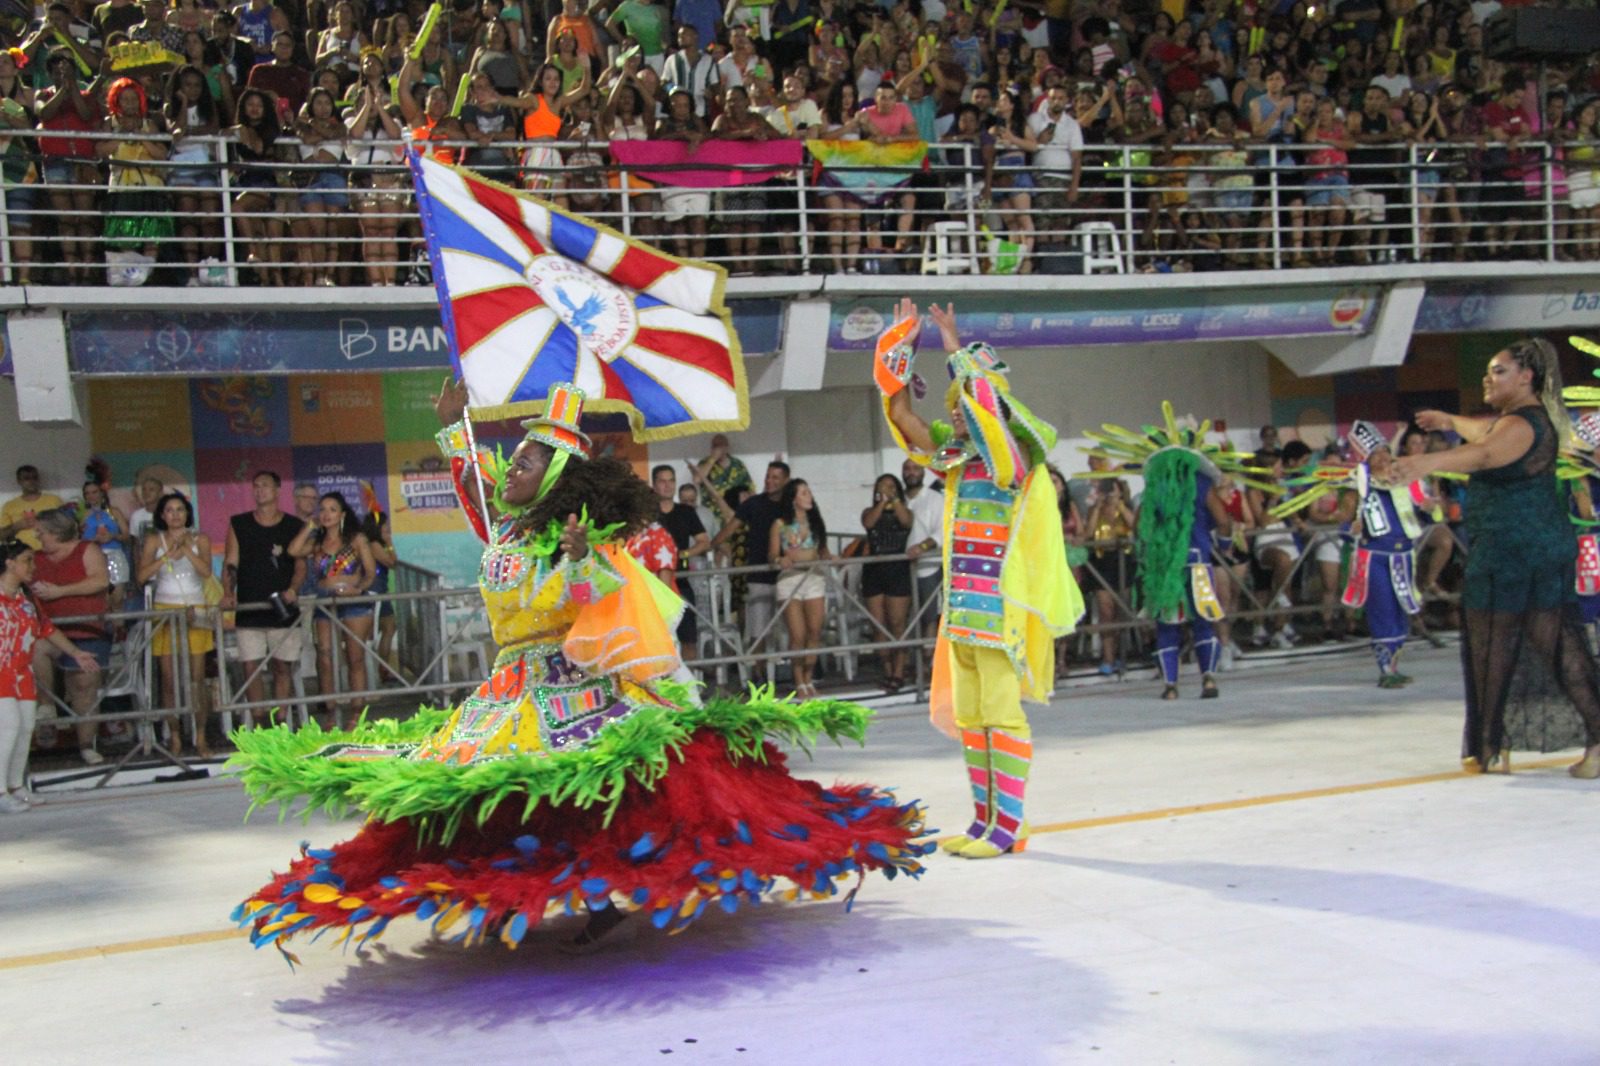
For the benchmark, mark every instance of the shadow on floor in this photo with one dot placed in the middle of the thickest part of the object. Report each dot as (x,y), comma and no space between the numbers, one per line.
(1385,896)
(802,983)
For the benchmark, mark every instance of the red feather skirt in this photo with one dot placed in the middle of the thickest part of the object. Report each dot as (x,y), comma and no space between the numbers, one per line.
(712,832)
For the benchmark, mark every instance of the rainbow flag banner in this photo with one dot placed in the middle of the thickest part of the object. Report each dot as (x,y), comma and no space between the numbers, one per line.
(866,171)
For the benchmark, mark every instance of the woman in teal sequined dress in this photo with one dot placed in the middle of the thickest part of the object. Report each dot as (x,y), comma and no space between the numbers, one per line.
(1519,601)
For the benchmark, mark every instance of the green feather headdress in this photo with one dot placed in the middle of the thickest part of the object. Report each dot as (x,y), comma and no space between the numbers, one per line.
(1168,456)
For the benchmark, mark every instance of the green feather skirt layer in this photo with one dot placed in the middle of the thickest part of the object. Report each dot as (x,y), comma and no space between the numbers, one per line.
(287,767)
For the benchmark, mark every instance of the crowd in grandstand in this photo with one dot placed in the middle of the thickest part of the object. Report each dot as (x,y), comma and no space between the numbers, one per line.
(1352,107)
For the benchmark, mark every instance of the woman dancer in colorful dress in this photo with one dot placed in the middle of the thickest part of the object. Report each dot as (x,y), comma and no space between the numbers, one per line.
(1008,592)
(576,779)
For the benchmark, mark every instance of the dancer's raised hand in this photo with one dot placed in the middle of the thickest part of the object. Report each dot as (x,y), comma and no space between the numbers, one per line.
(575,538)
(451,403)
(945,318)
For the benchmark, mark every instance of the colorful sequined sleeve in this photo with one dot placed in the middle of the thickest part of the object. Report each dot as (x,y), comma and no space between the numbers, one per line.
(591,578)
(452,441)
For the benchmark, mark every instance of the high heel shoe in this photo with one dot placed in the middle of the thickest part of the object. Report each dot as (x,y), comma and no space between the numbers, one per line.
(1587,768)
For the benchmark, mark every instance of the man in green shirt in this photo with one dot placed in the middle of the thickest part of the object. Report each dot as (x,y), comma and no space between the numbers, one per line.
(646,22)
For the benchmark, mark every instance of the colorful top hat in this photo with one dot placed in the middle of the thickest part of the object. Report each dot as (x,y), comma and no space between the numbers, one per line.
(558,426)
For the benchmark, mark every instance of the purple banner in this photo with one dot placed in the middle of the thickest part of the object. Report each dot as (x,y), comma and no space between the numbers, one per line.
(1135,318)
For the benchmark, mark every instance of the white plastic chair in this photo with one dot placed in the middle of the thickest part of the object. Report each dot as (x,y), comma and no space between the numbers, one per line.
(1102,248)
(949,248)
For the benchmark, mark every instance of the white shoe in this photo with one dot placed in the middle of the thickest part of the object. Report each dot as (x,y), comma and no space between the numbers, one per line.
(11,803)
(1227,658)
(90,757)
(1281,641)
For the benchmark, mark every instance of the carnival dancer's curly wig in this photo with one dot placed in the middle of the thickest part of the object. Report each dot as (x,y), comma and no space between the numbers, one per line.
(606,489)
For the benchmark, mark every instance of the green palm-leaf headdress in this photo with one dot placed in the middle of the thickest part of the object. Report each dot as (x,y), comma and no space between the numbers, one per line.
(1168,456)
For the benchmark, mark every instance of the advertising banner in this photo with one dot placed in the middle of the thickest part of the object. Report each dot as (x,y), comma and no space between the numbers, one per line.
(1135,318)
(271,342)
(1549,304)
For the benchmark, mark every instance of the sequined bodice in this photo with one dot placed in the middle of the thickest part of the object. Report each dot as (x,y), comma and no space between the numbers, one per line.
(523,592)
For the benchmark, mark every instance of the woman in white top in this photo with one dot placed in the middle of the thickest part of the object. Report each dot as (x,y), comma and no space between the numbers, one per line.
(322,144)
(839,120)
(192,113)
(177,557)
(341,43)
(377,149)
(629,114)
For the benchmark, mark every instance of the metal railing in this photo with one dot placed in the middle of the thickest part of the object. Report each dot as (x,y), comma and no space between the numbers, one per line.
(445,649)
(1137,208)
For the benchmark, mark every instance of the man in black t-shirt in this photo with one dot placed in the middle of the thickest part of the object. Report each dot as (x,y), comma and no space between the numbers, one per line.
(754,518)
(257,568)
(689,534)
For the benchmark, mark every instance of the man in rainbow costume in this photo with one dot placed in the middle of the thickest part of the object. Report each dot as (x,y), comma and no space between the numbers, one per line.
(1008,592)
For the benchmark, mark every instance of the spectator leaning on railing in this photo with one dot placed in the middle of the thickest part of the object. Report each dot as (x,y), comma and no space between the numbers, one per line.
(176,557)
(71,581)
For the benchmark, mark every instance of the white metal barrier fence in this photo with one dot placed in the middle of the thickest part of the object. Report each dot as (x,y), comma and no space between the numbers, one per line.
(445,649)
(1204,206)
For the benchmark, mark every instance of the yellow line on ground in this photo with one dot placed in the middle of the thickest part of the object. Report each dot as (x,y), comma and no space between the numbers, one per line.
(49,958)
(1280,797)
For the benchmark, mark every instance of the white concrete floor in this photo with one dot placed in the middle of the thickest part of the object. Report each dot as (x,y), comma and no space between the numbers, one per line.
(1433,919)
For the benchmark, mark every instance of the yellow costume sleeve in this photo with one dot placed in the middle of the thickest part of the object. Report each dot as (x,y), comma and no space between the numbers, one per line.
(1042,601)
(627,632)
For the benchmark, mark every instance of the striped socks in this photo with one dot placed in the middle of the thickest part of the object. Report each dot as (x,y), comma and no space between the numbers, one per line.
(1011,756)
(975,751)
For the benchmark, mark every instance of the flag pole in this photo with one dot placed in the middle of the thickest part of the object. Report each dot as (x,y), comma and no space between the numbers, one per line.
(477,470)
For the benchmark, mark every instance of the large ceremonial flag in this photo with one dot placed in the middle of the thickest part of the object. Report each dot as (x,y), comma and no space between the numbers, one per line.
(531,295)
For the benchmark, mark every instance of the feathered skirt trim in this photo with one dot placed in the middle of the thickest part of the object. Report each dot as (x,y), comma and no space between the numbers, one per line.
(717,828)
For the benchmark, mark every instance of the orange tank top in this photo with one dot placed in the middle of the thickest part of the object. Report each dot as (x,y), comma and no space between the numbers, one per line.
(541,122)
(581,28)
(425,132)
